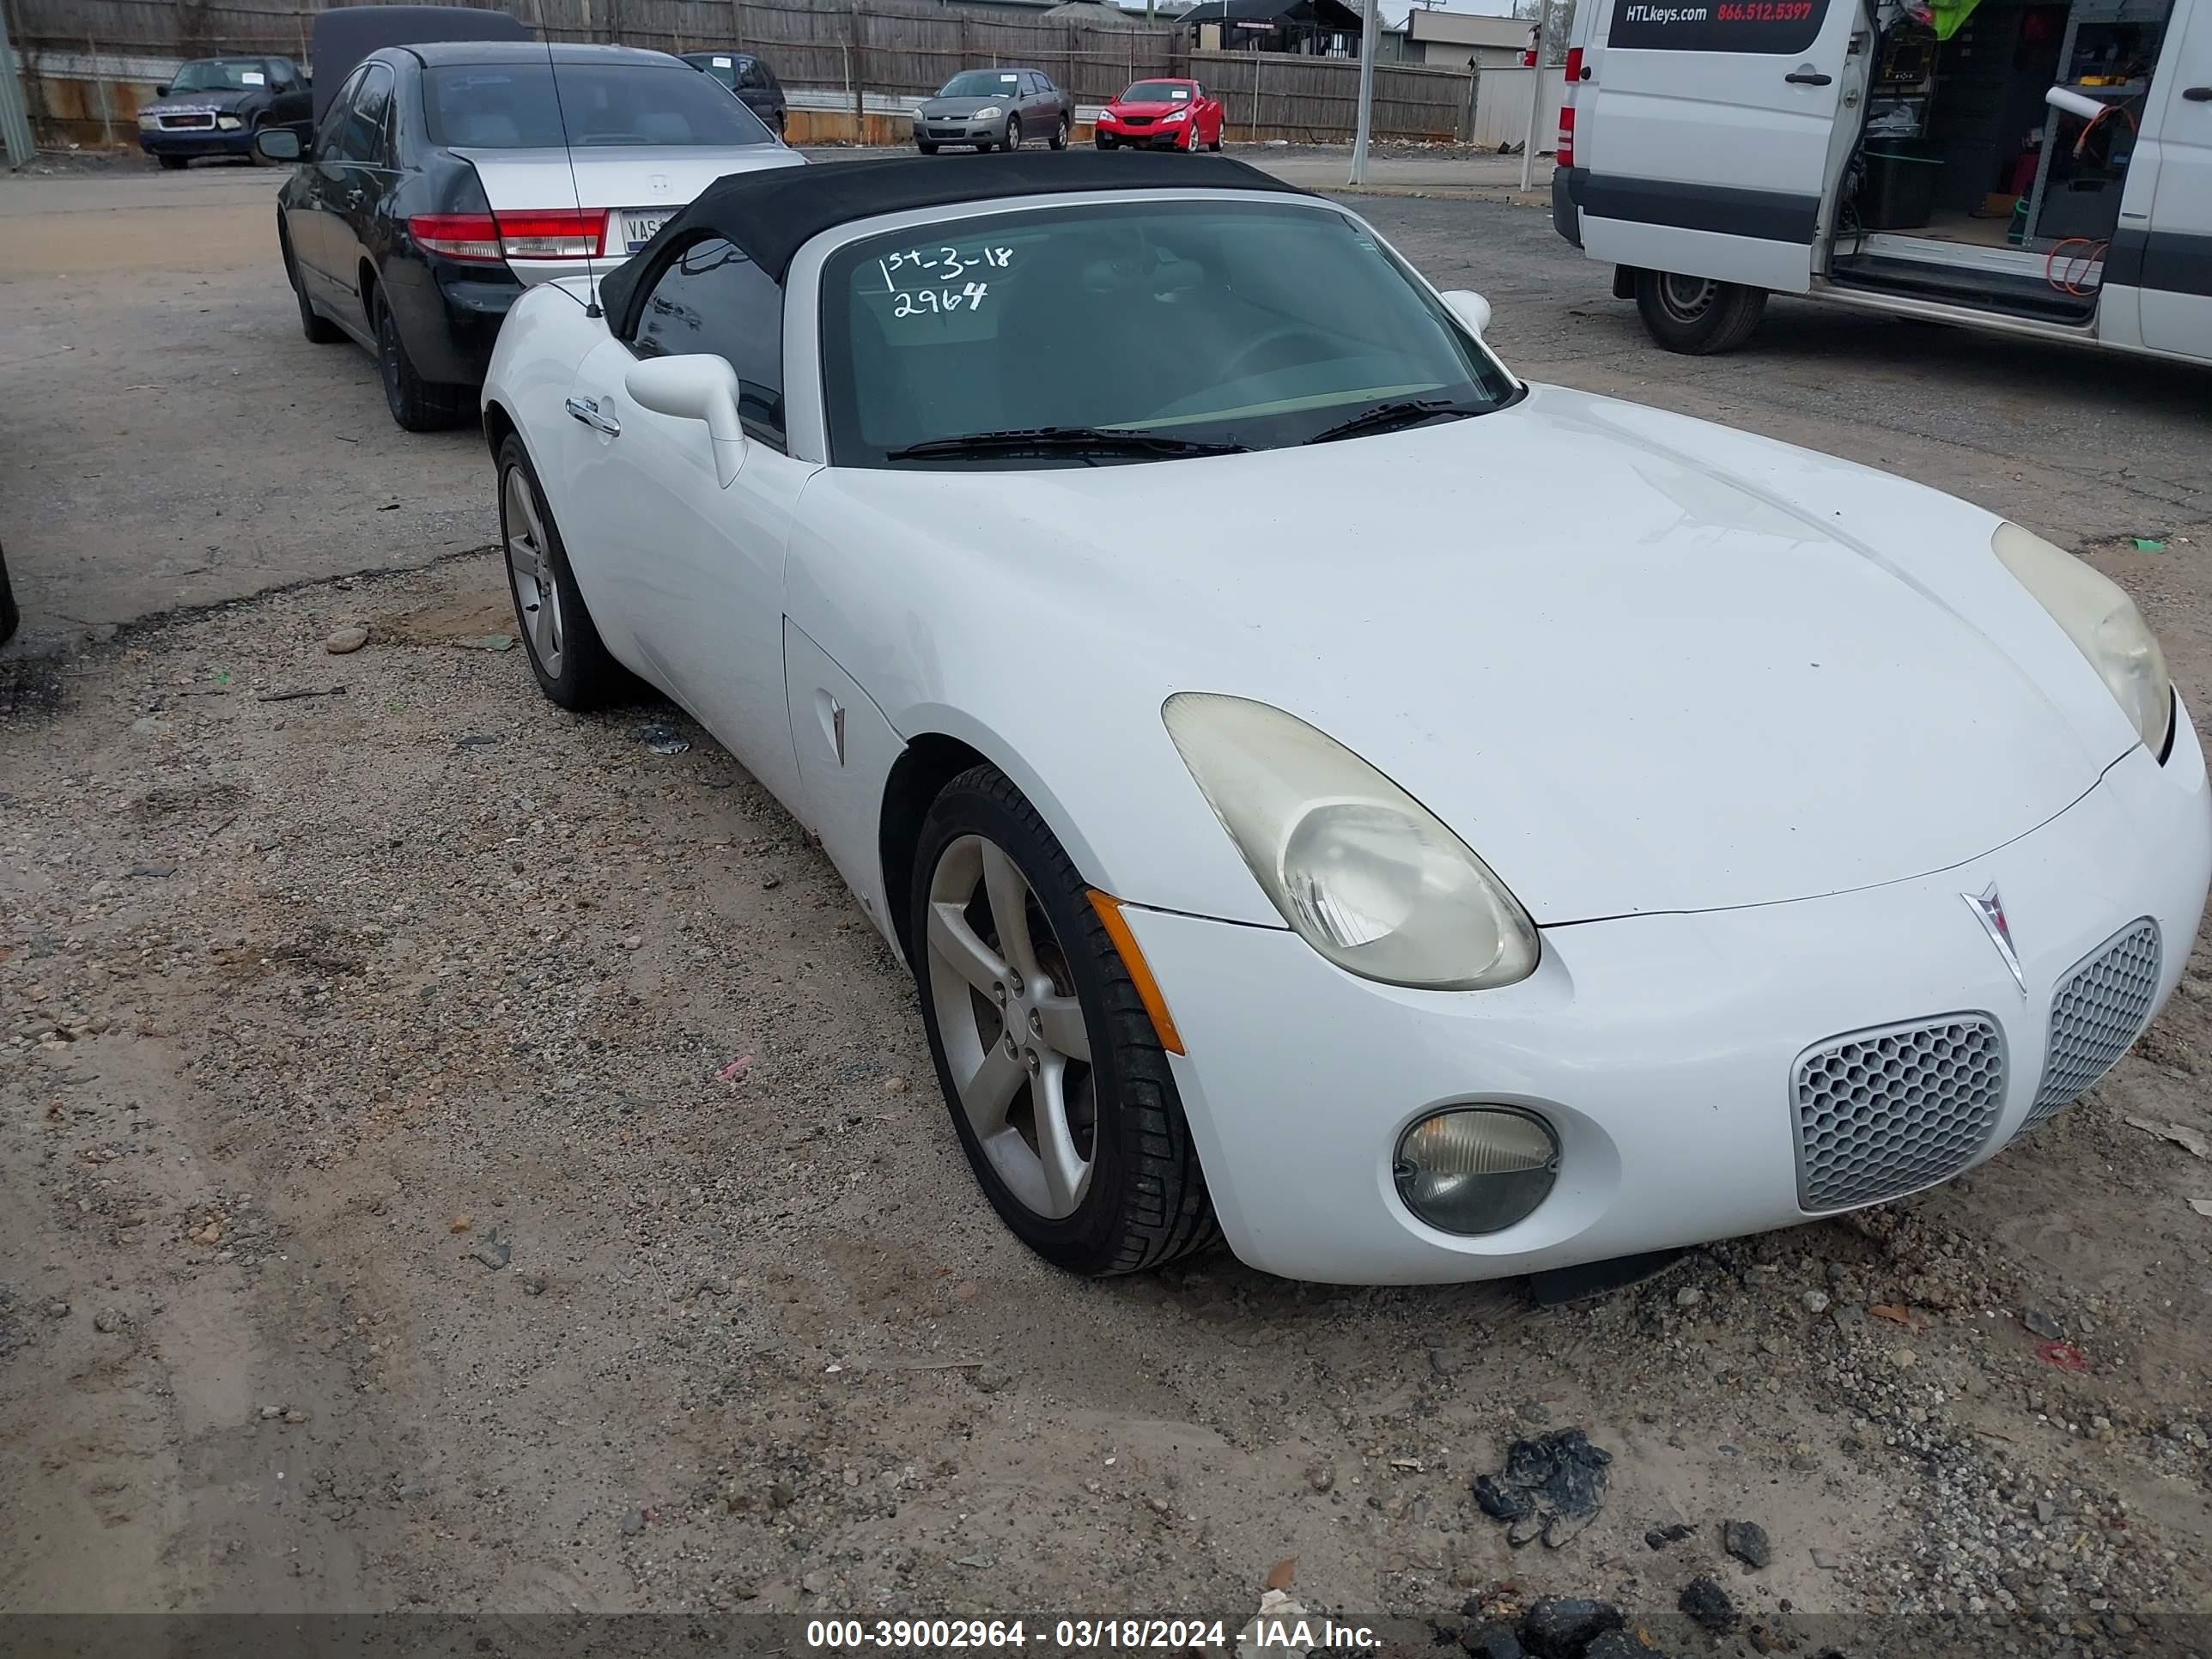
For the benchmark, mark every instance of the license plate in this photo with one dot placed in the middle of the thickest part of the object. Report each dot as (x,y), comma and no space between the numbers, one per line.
(638,228)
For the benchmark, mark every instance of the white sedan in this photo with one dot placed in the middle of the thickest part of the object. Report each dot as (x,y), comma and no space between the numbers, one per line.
(1416,824)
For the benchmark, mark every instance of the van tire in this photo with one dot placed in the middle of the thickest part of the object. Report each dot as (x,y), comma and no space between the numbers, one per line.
(1695,315)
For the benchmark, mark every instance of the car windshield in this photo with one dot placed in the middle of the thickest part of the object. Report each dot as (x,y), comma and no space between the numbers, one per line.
(981,83)
(1156,327)
(220,75)
(513,107)
(1157,92)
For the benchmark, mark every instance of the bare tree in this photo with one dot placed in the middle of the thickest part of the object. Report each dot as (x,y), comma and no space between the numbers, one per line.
(1559,18)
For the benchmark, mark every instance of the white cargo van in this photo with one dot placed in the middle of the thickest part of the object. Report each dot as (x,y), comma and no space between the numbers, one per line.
(2036,166)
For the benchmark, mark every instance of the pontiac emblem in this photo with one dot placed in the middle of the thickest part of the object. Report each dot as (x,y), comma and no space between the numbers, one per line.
(1988,910)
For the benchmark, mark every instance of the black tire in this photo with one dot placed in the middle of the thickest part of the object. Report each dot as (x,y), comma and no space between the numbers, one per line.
(925,147)
(10,617)
(1216,145)
(417,404)
(588,676)
(1105,140)
(174,163)
(1146,1202)
(318,329)
(1697,316)
(1013,138)
(1058,140)
(782,121)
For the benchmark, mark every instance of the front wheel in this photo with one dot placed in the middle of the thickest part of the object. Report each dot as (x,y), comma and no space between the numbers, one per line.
(573,669)
(174,163)
(1697,315)
(1104,139)
(1056,1079)
(1215,143)
(318,329)
(1013,139)
(1060,133)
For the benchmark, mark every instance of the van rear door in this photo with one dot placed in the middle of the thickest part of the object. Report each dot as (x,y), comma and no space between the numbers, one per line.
(1706,129)
(2169,258)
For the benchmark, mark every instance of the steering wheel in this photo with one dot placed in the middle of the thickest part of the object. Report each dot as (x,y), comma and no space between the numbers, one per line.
(1234,369)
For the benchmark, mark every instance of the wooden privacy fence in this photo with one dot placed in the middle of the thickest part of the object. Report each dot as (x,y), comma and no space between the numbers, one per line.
(1275,94)
(90,62)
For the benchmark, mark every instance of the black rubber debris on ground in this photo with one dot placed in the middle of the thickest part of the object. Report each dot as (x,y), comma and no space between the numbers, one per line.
(1659,1537)
(1563,1627)
(1491,1640)
(1747,1542)
(1708,1604)
(1552,1485)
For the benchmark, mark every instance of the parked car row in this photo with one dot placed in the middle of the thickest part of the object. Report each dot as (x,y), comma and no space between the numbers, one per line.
(1001,108)
(214,106)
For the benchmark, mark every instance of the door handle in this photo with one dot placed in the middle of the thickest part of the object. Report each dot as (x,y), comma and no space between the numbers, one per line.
(587,410)
(2197,94)
(1807,78)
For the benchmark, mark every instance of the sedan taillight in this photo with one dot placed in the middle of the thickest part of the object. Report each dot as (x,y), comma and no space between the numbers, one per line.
(492,239)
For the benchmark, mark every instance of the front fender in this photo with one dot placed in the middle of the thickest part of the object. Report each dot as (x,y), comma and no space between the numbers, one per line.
(1052,691)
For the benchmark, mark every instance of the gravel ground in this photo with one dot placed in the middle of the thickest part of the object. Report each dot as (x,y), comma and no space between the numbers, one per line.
(457,1158)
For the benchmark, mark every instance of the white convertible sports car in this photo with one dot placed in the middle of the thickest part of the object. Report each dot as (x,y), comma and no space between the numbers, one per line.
(1418,824)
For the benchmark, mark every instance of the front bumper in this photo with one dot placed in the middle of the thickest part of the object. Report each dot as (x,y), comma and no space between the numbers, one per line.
(1173,137)
(1662,1048)
(960,132)
(197,141)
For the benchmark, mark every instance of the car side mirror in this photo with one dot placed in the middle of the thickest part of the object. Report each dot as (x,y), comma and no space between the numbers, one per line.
(278,144)
(1470,308)
(694,386)
(161,91)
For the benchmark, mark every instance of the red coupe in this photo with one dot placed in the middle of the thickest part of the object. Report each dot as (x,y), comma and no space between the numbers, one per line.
(1161,115)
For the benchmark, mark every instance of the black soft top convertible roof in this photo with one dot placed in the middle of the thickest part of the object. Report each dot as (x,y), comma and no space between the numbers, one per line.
(771,213)
(346,35)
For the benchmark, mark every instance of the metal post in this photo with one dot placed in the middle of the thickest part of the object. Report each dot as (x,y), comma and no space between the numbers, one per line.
(1369,30)
(860,93)
(14,111)
(1536,99)
(107,97)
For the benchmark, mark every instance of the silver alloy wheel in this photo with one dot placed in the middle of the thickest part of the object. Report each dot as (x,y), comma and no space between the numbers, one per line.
(1014,1035)
(1685,299)
(527,561)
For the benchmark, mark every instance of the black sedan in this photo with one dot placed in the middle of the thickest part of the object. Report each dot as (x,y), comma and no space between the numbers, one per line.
(214,107)
(444,178)
(751,78)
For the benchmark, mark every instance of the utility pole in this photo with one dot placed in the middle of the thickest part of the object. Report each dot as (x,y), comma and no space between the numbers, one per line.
(14,113)
(1535,100)
(1369,28)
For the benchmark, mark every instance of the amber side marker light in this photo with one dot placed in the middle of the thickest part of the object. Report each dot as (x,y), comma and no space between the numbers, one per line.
(1148,989)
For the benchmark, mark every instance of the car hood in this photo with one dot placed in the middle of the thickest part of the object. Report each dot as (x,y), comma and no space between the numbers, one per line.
(1144,109)
(226,101)
(1639,662)
(645,177)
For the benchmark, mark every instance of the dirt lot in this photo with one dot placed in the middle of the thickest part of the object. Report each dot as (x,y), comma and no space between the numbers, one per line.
(455,1158)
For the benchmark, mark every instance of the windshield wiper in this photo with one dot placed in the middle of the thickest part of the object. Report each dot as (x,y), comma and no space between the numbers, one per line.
(1066,439)
(1390,416)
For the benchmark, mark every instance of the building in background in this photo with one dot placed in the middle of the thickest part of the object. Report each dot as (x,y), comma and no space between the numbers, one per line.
(1313,29)
(1460,39)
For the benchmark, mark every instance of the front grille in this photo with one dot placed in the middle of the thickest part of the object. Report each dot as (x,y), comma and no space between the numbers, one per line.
(2098,1010)
(1136,120)
(172,122)
(1885,1111)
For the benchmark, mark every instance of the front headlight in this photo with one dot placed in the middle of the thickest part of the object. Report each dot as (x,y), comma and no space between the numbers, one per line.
(2103,624)
(989,113)
(148,118)
(1364,872)
(228,122)
(1173,115)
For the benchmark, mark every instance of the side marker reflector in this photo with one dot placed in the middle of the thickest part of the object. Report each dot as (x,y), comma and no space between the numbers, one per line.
(1140,973)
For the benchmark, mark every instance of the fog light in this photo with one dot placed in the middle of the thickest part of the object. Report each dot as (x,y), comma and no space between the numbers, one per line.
(1476,1168)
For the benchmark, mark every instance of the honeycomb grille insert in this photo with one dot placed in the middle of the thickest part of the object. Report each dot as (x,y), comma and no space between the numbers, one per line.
(1884,1111)
(2098,1009)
